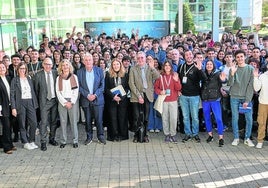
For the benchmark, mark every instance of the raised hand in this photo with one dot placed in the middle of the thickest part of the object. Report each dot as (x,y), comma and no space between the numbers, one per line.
(198,65)
(233,69)
(223,76)
(14,40)
(175,76)
(256,73)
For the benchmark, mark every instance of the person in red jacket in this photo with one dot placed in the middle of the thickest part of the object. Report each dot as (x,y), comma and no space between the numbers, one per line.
(169,84)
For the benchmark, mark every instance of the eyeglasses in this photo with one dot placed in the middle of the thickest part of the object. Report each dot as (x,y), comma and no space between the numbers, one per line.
(22,68)
(47,64)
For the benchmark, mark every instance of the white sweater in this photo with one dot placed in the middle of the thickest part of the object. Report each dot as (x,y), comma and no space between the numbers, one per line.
(67,91)
(261,83)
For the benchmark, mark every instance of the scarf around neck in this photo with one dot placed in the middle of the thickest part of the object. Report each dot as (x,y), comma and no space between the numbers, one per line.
(72,81)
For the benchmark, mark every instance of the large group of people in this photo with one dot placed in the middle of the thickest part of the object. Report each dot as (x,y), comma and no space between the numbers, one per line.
(114,81)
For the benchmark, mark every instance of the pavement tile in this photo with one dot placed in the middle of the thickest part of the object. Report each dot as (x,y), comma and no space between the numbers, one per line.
(128,164)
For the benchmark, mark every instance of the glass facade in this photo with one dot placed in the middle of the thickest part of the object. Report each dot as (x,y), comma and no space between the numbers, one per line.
(26,19)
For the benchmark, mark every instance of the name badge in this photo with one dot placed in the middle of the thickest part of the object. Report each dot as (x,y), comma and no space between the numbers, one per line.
(168,92)
(184,80)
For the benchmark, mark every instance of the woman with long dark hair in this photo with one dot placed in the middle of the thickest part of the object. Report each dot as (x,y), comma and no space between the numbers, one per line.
(211,100)
(169,84)
(57,57)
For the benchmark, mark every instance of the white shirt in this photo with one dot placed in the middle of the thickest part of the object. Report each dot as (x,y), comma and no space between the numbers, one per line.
(25,89)
(4,79)
(53,95)
(67,91)
(260,83)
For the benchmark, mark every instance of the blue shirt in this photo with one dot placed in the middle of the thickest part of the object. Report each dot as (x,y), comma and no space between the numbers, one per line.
(176,66)
(160,55)
(90,81)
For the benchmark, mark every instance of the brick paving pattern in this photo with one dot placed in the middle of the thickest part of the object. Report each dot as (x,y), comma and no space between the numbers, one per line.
(127,164)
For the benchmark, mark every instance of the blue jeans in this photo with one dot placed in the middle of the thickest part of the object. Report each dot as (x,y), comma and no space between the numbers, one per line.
(248,116)
(190,108)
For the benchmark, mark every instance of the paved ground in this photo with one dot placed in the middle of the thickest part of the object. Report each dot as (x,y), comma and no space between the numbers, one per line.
(127,164)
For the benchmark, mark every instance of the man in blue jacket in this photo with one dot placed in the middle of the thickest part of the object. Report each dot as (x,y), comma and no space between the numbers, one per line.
(91,88)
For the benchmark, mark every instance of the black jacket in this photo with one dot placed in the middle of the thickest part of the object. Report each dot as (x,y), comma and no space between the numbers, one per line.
(210,89)
(4,99)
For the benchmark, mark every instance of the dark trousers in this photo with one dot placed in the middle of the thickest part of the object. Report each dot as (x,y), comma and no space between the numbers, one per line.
(226,111)
(27,113)
(49,114)
(140,110)
(118,127)
(98,114)
(15,126)
(6,137)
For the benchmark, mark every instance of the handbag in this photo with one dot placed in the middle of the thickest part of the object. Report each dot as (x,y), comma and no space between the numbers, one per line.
(158,104)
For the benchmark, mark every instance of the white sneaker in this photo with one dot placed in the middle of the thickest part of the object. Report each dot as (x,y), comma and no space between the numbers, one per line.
(28,146)
(259,145)
(37,132)
(249,143)
(157,130)
(33,145)
(235,142)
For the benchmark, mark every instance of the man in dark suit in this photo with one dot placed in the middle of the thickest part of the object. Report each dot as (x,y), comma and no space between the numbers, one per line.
(44,83)
(91,87)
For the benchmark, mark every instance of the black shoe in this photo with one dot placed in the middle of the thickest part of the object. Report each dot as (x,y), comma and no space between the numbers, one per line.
(110,139)
(102,141)
(16,139)
(221,142)
(43,146)
(146,139)
(210,139)
(88,141)
(53,142)
(197,139)
(14,148)
(75,145)
(118,139)
(186,138)
(135,139)
(9,152)
(62,145)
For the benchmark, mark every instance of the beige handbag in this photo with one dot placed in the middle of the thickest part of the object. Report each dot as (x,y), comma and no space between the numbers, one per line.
(158,104)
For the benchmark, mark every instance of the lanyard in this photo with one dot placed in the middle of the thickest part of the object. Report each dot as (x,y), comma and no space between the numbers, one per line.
(34,71)
(167,82)
(186,72)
